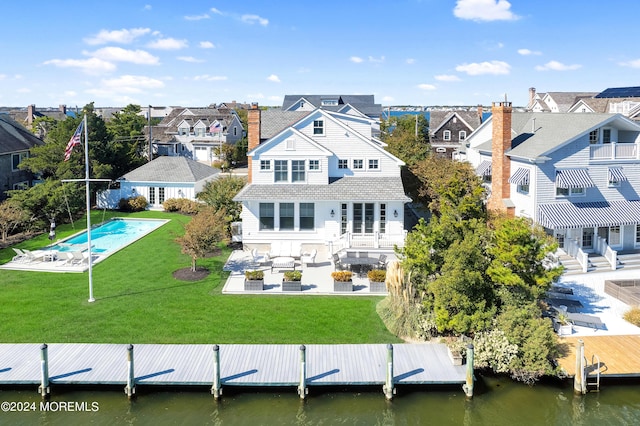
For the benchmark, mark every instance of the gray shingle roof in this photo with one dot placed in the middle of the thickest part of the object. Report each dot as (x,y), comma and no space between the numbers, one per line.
(171,169)
(14,137)
(273,121)
(342,189)
(363,103)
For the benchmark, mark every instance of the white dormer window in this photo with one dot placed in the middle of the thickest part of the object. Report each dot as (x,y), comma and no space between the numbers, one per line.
(183,131)
(301,104)
(462,135)
(329,102)
(446,135)
(318,127)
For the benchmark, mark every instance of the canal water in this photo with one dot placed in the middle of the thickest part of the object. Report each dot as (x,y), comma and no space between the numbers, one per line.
(496,402)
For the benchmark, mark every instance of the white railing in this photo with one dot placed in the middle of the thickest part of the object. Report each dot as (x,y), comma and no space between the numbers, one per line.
(574,250)
(603,249)
(615,151)
(375,240)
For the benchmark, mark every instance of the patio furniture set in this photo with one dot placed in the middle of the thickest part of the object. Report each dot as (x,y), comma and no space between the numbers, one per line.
(565,308)
(359,262)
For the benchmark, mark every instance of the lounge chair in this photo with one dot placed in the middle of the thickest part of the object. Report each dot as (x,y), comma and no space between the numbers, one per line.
(36,255)
(79,258)
(66,257)
(20,256)
(309,258)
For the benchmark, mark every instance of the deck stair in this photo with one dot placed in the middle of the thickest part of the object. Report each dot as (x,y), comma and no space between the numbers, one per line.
(598,263)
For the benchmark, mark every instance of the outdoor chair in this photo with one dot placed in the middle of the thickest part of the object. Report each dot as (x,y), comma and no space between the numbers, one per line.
(32,256)
(66,257)
(79,258)
(309,258)
(259,259)
(382,261)
(20,256)
(338,266)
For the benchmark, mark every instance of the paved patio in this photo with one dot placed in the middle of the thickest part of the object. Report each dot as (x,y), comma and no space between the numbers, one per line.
(316,278)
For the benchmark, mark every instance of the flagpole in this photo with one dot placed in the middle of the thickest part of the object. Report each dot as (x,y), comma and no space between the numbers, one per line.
(88,195)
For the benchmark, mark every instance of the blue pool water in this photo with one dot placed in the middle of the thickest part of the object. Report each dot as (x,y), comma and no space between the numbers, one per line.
(110,236)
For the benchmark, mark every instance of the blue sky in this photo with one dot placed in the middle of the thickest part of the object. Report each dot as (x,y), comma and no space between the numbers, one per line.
(405,52)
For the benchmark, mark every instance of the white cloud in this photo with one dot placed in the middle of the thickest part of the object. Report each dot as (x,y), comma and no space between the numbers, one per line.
(255,96)
(88,66)
(526,52)
(493,67)
(633,64)
(147,7)
(118,54)
(484,10)
(24,90)
(425,86)
(122,36)
(207,77)
(127,84)
(388,99)
(273,78)
(3,76)
(168,44)
(254,19)
(207,45)
(356,59)
(410,61)
(447,77)
(376,60)
(557,66)
(216,11)
(190,59)
(196,17)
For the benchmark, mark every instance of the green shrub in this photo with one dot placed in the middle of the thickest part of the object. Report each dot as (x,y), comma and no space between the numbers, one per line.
(377,275)
(633,316)
(254,275)
(181,205)
(292,276)
(343,276)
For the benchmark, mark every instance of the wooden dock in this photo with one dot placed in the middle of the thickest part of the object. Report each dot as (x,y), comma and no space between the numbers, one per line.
(619,354)
(240,365)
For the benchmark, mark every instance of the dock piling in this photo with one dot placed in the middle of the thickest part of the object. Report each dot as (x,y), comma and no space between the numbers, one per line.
(130,389)
(579,384)
(468,386)
(216,388)
(388,388)
(302,387)
(44,371)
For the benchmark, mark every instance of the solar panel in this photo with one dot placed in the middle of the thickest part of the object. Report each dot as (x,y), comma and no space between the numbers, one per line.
(620,92)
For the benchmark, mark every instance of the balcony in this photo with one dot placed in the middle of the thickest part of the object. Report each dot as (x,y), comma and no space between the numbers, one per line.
(615,151)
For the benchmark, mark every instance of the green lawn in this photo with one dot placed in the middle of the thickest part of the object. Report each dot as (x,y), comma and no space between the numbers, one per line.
(139,301)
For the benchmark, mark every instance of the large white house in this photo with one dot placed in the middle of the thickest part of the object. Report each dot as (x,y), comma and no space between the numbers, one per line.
(577,175)
(320,178)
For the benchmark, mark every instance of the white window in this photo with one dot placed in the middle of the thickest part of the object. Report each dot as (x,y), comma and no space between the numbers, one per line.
(200,131)
(265,164)
(318,127)
(281,171)
(329,102)
(637,233)
(17,158)
(266,216)
(297,171)
(593,137)
(373,164)
(358,164)
(235,131)
(606,135)
(570,192)
(446,135)
(462,135)
(183,131)
(290,144)
(314,164)
(21,185)
(343,164)
(614,235)
(523,189)
(307,216)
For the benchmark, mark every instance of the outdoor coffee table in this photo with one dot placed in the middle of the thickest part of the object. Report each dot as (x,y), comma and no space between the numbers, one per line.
(283,262)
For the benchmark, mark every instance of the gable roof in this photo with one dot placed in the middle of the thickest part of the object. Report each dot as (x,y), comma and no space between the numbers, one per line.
(553,131)
(273,121)
(171,169)
(437,119)
(14,137)
(619,92)
(363,103)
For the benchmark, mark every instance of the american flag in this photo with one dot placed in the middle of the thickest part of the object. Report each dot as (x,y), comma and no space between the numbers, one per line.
(75,140)
(215,128)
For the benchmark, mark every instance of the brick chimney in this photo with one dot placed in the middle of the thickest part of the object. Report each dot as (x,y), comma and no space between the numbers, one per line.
(31,110)
(532,96)
(500,163)
(253,133)
(480,111)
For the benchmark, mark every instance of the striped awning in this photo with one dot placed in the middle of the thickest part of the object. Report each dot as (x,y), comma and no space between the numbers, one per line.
(520,177)
(573,178)
(588,215)
(616,174)
(484,169)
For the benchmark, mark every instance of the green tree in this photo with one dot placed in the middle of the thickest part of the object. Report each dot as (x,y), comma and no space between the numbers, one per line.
(407,137)
(205,231)
(219,193)
(128,141)
(12,215)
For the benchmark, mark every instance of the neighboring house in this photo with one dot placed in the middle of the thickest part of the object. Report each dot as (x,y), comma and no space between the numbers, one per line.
(27,116)
(15,143)
(196,133)
(555,101)
(448,130)
(577,175)
(159,180)
(320,178)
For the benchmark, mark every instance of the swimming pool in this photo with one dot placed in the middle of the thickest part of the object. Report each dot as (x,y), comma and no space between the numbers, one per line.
(110,236)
